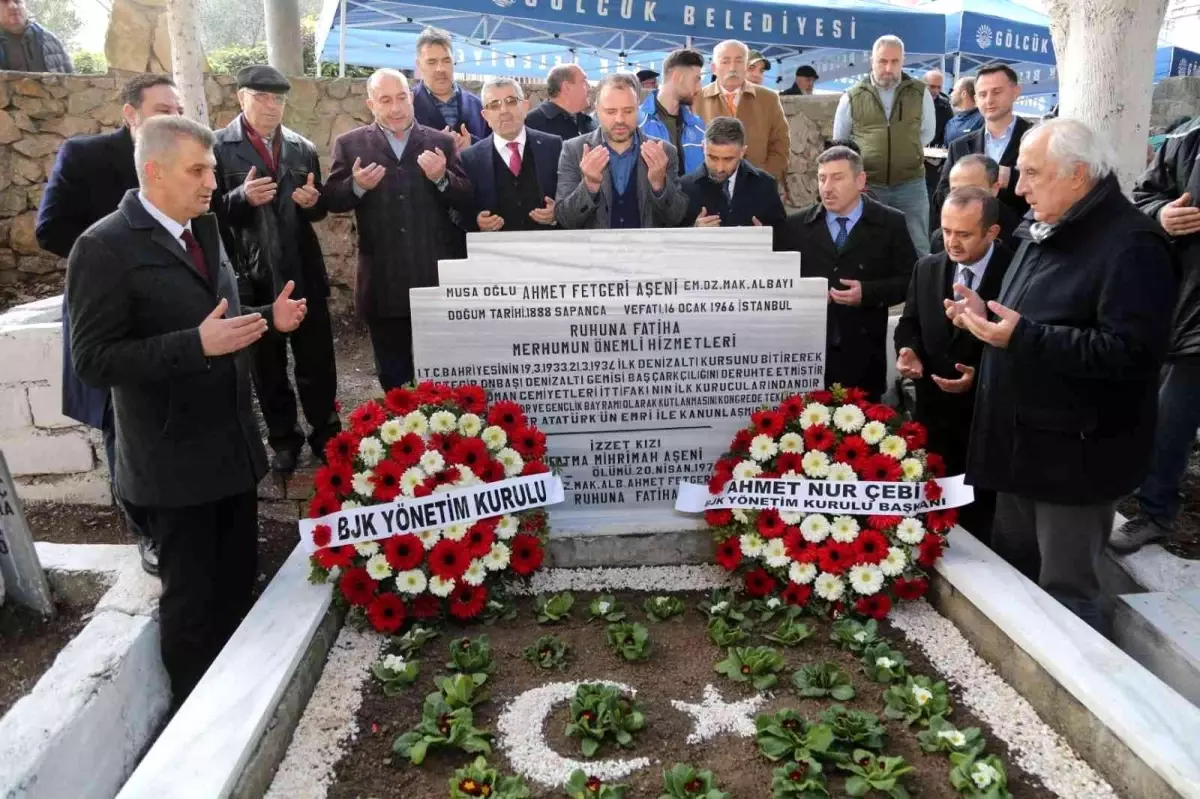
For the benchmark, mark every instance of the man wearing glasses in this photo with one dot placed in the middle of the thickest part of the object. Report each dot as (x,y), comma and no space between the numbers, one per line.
(268,196)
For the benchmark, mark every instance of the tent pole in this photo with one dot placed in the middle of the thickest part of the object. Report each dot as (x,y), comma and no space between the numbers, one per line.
(687,42)
(342,41)
(957,64)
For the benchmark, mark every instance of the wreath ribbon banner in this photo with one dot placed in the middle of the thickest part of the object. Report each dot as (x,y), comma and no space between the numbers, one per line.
(843,497)
(414,514)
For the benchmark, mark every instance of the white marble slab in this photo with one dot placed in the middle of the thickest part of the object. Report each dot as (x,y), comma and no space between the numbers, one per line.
(204,749)
(1155,722)
(131,590)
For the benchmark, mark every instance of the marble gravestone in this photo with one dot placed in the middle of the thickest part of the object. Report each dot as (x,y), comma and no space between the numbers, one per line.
(638,352)
(23,578)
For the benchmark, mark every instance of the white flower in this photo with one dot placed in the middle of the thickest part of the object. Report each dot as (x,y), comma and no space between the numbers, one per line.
(351,504)
(497,558)
(920,694)
(719,607)
(495,438)
(476,573)
(954,737)
(390,431)
(775,554)
(361,484)
(378,567)
(983,775)
(860,636)
(416,422)
(367,548)
(910,530)
(371,450)
(413,476)
(741,516)
(455,531)
(791,517)
(429,538)
(841,472)
(411,582)
(894,446)
(815,463)
(432,462)
(763,448)
(873,432)
(440,587)
(604,607)
(443,422)
(848,418)
(845,529)
(884,662)
(774,602)
(802,573)
(791,442)
(507,527)
(746,469)
(394,663)
(814,528)
(814,413)
(829,587)
(511,460)
(752,545)
(469,425)
(466,477)
(866,579)
(912,468)
(893,565)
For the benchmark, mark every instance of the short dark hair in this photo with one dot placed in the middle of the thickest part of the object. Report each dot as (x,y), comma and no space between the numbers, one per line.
(988,69)
(963,196)
(133,91)
(849,144)
(840,153)
(726,130)
(968,86)
(431,37)
(563,73)
(620,80)
(979,159)
(686,57)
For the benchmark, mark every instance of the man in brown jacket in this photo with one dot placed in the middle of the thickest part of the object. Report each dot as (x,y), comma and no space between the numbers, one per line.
(758,108)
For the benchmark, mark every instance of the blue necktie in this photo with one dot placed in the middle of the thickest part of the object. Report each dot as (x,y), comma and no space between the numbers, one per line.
(842,234)
(728,192)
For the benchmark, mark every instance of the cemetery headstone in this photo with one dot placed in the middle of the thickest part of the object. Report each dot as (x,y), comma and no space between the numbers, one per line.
(23,578)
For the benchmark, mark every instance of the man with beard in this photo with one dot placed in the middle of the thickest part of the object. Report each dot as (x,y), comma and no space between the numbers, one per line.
(726,190)
(667,114)
(615,177)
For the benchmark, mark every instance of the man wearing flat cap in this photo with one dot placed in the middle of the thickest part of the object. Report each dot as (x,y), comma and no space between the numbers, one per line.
(648,78)
(268,196)
(756,67)
(806,78)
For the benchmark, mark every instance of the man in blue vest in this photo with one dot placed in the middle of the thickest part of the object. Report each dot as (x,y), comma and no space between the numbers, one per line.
(667,114)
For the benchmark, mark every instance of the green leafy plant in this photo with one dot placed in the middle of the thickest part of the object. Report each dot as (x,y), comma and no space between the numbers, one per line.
(606,608)
(630,641)
(661,608)
(685,782)
(770,608)
(723,602)
(758,665)
(396,673)
(918,700)
(725,633)
(581,786)
(854,729)
(942,736)
(413,640)
(471,656)
(548,652)
(791,631)
(785,735)
(553,609)
(979,778)
(460,690)
(600,712)
(881,663)
(443,727)
(853,635)
(799,780)
(478,779)
(500,607)
(870,772)
(823,679)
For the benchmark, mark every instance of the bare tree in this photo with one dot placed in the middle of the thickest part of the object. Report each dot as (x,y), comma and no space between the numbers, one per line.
(187,56)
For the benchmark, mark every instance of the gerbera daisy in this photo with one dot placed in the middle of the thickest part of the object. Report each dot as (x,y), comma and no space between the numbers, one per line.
(386,613)
(910,531)
(880,413)
(759,583)
(746,470)
(875,607)
(400,401)
(391,431)
(511,461)
(929,550)
(433,461)
(333,479)
(335,557)
(440,587)
(718,517)
(476,573)
(741,441)
(403,552)
(469,452)
(378,567)
(852,450)
(752,545)
(497,557)
(802,573)
(507,415)
(769,423)
(872,547)
(792,407)
(506,527)
(797,595)
(819,437)
(841,472)
(323,504)
(829,587)
(472,399)
(844,529)
(357,586)
(910,589)
(836,558)
(848,418)
(322,534)
(448,559)
(470,425)
(467,601)
(494,437)
(425,606)
(768,523)
(479,540)
(366,418)
(912,469)
(914,434)
(775,554)
(527,555)
(894,562)
(816,464)
(387,481)
(729,553)
(873,432)
(882,468)
(443,422)
(815,413)
(415,422)
(894,446)
(362,484)
(791,442)
(763,448)
(529,442)
(815,528)
(366,548)
(866,579)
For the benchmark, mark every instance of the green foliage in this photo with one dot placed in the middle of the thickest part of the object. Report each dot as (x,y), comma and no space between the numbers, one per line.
(89,62)
(724,633)
(870,772)
(723,602)
(319,575)
(442,727)
(791,631)
(630,641)
(799,780)
(500,607)
(918,700)
(553,609)
(854,636)
(883,664)
(979,778)
(478,779)
(816,680)
(770,608)
(581,786)
(461,690)
(661,608)
(60,17)
(757,665)
(228,60)
(600,712)
(606,608)
(396,673)
(548,652)
(942,736)
(785,735)
(685,782)
(412,641)
(471,656)
(854,729)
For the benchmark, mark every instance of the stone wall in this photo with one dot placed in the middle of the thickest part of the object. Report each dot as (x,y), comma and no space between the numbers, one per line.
(1174,98)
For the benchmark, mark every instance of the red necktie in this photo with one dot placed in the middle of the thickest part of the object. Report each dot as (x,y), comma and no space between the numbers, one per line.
(196,253)
(514,158)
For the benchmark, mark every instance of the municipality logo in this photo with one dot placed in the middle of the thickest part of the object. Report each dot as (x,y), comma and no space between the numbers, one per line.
(983,36)
(504,3)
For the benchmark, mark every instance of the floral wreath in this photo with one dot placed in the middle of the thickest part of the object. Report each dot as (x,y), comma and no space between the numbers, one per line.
(417,442)
(839,562)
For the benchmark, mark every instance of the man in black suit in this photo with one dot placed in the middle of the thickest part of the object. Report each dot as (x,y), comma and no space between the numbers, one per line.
(863,249)
(996,90)
(514,171)
(563,114)
(91,174)
(155,316)
(728,191)
(940,358)
(268,197)
(981,172)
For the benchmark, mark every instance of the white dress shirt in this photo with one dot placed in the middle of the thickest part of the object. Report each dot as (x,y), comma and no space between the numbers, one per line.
(501,144)
(976,270)
(172,227)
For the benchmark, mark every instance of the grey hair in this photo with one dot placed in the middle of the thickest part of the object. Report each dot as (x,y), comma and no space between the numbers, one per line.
(1070,142)
(935,72)
(431,36)
(158,136)
(726,130)
(497,82)
(887,41)
(379,74)
(731,43)
(841,153)
(981,160)
(620,80)
(563,73)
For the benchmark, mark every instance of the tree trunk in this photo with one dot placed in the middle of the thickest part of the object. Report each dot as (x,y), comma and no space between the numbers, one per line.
(1105,52)
(187,56)
(285,49)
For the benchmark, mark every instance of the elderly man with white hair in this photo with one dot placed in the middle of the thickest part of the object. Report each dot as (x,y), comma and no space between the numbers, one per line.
(1064,418)
(891,117)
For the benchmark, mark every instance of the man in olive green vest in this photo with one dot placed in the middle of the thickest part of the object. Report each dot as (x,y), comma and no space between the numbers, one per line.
(892,118)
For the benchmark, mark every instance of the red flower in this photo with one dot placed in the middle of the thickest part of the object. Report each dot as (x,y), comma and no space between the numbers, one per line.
(449,559)
(408,450)
(386,480)
(357,586)
(322,535)
(718,517)
(759,583)
(534,467)
(822,396)
(769,524)
(467,601)
(880,413)
(872,547)
(875,606)
(507,415)
(910,589)
(852,450)
(819,437)
(335,557)
(426,488)
(726,465)
(929,550)
(323,504)
(729,553)
(472,399)
(334,479)
(883,522)
(768,423)
(855,395)
(741,441)
(717,483)
(792,407)
(882,468)
(797,548)
(342,448)
(490,471)
(941,521)
(935,464)
(386,613)
(400,401)
(527,554)
(795,594)
(533,521)
(445,443)
(447,476)
(366,418)
(835,558)
(914,434)
(529,442)
(469,452)
(403,552)
(933,490)
(479,539)
(426,606)
(789,462)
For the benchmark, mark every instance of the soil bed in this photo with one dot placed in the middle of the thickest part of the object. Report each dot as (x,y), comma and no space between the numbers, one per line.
(680,666)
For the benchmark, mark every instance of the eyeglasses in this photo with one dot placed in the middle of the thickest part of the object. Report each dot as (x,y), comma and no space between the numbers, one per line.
(508,102)
(270,98)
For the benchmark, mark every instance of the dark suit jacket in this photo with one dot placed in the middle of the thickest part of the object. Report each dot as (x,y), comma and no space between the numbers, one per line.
(91,174)
(924,328)
(880,254)
(478,165)
(404,223)
(755,194)
(551,118)
(470,111)
(186,431)
(973,143)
